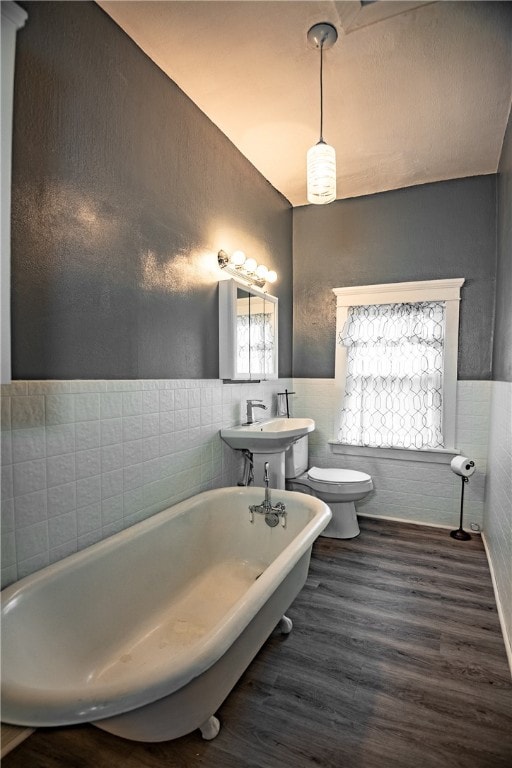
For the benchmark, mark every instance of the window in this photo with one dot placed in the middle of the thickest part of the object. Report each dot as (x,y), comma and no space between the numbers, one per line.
(396,364)
(393,385)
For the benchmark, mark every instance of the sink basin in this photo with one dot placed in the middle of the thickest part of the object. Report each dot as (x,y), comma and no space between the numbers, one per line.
(271,436)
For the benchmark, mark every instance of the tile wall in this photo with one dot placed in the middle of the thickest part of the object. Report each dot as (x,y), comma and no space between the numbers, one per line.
(498,507)
(418,491)
(82,460)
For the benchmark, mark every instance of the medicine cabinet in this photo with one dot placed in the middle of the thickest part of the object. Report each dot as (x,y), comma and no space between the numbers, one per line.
(247,332)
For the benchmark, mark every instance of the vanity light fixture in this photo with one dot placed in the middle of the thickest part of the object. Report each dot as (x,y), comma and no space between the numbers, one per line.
(247,270)
(321,158)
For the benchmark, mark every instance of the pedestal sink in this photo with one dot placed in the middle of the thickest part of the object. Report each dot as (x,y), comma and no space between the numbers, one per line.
(268,441)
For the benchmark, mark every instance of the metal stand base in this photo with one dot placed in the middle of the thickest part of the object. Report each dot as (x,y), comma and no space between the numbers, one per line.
(460,535)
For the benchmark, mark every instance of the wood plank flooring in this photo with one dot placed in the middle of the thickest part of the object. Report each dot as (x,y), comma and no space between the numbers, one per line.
(396,660)
(11,736)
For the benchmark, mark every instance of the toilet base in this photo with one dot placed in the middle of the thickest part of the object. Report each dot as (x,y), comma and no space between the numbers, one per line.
(343,524)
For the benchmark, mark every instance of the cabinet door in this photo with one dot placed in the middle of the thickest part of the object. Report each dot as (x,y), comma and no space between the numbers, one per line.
(243,334)
(248,333)
(262,338)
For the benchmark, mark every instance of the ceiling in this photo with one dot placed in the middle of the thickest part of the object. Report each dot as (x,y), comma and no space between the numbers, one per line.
(413,92)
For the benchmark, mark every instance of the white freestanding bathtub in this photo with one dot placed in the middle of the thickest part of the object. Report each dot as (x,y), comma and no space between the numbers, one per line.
(145,633)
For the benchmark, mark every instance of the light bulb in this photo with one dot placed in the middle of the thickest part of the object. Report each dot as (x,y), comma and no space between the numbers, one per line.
(262,272)
(250,265)
(238,258)
(271,276)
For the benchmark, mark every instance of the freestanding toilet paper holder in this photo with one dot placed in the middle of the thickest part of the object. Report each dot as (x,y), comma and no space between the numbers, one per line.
(460,534)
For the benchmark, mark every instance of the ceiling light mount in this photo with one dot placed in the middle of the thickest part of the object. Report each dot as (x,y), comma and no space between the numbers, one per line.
(322,35)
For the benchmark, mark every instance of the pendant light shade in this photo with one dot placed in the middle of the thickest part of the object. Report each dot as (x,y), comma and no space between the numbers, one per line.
(321,158)
(321,163)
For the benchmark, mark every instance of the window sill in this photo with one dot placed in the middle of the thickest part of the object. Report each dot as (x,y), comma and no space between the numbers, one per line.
(432,455)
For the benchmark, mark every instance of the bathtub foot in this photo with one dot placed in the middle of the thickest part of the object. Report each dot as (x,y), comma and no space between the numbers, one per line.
(285,625)
(210,728)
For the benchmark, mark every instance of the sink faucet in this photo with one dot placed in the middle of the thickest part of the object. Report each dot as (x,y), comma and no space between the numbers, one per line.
(253,404)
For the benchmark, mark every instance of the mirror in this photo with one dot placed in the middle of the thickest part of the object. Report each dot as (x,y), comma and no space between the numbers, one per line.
(247,333)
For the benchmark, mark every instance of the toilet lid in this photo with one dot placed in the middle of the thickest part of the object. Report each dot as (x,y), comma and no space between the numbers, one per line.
(332,475)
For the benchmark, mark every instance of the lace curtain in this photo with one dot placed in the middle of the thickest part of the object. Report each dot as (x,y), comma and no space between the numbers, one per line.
(255,343)
(393,396)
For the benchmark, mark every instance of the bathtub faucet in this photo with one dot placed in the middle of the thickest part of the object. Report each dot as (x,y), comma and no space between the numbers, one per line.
(267,503)
(273,513)
(253,404)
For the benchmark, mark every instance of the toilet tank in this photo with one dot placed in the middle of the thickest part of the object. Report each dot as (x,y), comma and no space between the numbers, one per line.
(296,458)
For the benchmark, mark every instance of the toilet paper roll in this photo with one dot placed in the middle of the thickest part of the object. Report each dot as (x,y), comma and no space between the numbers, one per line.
(462,466)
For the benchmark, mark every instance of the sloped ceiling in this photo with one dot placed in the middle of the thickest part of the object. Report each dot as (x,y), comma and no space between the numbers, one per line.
(413,92)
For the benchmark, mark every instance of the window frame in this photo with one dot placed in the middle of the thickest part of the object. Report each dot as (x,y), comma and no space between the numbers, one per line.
(13,18)
(447,290)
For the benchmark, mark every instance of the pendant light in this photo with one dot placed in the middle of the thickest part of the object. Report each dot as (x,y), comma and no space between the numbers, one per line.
(321,158)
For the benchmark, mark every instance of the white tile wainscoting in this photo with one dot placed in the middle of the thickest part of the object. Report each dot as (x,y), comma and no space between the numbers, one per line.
(82,460)
(420,492)
(498,505)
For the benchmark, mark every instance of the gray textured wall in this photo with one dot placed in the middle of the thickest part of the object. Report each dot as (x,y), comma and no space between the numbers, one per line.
(123,191)
(502,353)
(447,229)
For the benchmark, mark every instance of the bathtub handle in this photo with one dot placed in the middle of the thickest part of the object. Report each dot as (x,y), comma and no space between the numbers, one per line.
(280,508)
(273,513)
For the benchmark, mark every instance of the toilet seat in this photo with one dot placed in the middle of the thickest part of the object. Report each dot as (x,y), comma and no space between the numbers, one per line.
(337,476)
(338,484)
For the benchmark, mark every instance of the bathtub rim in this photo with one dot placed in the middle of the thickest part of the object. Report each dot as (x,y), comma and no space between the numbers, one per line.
(115,697)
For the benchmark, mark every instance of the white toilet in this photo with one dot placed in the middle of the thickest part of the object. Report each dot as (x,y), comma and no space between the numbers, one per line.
(339,488)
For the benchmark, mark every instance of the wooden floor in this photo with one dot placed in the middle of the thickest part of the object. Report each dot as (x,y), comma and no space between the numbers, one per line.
(396,660)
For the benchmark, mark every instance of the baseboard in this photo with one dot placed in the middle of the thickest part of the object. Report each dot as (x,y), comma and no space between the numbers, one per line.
(12,735)
(506,639)
(410,522)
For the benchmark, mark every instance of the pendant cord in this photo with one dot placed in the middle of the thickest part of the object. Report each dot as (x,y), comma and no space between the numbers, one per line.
(321,92)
